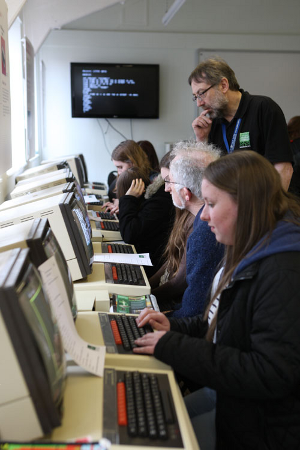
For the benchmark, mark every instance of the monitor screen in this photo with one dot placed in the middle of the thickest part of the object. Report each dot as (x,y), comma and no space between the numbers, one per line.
(79,229)
(36,309)
(80,199)
(128,91)
(34,335)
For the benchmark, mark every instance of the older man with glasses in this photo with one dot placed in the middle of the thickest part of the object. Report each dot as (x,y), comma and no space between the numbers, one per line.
(203,253)
(232,119)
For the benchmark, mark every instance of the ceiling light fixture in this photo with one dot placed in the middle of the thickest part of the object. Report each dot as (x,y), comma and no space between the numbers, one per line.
(172,11)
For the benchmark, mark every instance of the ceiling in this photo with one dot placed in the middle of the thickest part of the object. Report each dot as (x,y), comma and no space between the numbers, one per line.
(42,16)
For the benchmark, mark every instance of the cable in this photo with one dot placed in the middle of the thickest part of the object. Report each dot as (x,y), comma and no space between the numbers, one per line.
(104,133)
(131,129)
(116,129)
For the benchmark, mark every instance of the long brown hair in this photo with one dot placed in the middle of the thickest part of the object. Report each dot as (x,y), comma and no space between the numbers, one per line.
(177,240)
(125,179)
(149,149)
(130,152)
(181,229)
(255,185)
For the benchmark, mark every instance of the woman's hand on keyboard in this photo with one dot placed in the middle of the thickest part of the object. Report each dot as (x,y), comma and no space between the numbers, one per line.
(157,320)
(112,207)
(147,343)
(137,188)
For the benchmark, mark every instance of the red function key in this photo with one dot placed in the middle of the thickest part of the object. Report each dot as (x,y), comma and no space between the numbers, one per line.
(102,225)
(121,399)
(109,248)
(116,333)
(114,273)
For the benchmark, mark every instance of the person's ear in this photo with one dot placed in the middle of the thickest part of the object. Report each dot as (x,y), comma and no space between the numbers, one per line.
(187,194)
(224,85)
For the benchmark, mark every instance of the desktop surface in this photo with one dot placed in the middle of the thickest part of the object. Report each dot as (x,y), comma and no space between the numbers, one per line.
(90,402)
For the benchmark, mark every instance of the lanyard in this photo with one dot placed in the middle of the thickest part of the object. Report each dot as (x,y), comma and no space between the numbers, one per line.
(230,150)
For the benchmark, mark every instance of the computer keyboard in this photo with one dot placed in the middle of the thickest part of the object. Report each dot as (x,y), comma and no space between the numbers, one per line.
(118,273)
(116,248)
(107,225)
(144,414)
(98,203)
(120,331)
(98,184)
(106,215)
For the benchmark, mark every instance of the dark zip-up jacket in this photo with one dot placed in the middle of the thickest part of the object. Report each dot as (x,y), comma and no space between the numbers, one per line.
(255,364)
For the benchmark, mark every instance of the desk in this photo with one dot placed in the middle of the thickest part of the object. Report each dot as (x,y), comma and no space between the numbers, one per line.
(83,415)
(88,327)
(94,299)
(83,407)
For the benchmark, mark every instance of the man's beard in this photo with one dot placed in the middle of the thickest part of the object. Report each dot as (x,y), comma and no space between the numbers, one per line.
(182,206)
(218,105)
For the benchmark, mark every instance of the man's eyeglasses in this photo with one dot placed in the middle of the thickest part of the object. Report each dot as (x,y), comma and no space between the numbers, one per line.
(200,95)
(167,181)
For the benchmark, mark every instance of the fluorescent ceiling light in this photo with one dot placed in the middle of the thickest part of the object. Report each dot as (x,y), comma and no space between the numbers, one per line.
(172,11)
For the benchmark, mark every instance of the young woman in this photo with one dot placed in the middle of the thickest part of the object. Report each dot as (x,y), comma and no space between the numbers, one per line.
(247,350)
(146,215)
(126,155)
(169,282)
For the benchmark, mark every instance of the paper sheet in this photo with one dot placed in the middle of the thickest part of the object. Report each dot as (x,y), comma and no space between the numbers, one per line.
(90,357)
(91,198)
(139,259)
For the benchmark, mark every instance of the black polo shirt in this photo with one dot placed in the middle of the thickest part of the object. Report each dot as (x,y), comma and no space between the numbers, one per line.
(262,129)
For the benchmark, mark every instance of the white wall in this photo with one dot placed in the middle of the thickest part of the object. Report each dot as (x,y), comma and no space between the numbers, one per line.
(177,56)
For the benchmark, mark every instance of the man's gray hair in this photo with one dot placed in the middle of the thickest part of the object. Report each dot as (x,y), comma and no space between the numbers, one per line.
(190,160)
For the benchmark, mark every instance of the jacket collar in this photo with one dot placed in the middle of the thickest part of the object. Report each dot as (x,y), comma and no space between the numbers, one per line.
(246,274)
(154,187)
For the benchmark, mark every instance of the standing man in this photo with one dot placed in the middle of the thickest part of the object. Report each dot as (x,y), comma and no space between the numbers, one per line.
(232,119)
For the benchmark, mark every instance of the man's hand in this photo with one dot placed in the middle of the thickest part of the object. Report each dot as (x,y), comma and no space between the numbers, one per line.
(147,343)
(201,126)
(137,188)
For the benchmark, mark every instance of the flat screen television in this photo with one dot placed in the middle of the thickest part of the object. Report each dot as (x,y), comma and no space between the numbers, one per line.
(124,91)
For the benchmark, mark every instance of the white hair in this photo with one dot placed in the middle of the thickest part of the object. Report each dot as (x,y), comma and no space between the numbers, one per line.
(190,160)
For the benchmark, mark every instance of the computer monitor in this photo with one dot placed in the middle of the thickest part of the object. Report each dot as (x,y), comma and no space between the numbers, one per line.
(33,376)
(36,178)
(41,169)
(40,239)
(75,164)
(78,166)
(38,195)
(69,222)
(123,279)
(83,162)
(45,181)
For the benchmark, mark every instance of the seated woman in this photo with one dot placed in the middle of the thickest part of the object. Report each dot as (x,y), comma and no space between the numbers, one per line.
(146,215)
(127,154)
(169,282)
(246,353)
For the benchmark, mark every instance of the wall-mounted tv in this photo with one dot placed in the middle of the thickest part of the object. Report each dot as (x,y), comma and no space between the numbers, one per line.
(127,91)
